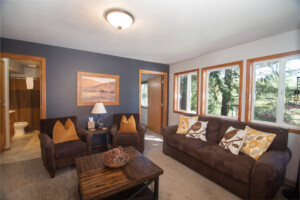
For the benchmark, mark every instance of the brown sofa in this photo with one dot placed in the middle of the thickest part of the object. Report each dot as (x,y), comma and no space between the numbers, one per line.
(242,175)
(56,156)
(128,139)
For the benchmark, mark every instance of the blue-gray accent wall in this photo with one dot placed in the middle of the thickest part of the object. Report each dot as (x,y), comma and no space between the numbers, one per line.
(62,65)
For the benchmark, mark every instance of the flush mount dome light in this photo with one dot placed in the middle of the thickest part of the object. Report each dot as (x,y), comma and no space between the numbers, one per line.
(118,18)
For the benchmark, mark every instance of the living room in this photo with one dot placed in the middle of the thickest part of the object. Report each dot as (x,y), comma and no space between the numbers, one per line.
(183,40)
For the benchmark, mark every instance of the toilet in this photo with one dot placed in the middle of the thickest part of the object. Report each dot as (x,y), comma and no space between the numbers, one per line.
(19,128)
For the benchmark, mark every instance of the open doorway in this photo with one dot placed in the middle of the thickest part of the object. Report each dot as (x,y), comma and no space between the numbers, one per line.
(25,106)
(153,99)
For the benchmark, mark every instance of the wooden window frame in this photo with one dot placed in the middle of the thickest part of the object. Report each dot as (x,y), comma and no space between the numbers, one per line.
(204,87)
(249,84)
(175,92)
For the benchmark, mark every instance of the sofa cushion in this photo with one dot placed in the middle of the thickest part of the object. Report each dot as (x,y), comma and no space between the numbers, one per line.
(238,167)
(197,129)
(280,141)
(225,124)
(128,138)
(66,149)
(213,126)
(257,142)
(188,145)
(233,140)
(183,125)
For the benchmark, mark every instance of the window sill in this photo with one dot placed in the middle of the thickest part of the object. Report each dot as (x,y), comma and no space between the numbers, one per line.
(184,112)
(291,129)
(146,107)
(222,117)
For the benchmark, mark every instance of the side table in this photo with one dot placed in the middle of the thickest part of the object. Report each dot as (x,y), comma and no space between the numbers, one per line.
(96,148)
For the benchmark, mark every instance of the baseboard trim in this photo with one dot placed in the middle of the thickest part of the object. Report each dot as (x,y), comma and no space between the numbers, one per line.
(289,182)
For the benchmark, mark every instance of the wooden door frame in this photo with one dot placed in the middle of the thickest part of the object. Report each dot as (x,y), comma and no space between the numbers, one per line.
(165,92)
(42,78)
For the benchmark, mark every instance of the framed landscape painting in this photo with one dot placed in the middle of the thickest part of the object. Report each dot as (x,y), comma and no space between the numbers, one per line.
(94,87)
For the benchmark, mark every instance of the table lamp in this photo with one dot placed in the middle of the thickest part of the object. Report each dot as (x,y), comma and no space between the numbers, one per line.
(99,109)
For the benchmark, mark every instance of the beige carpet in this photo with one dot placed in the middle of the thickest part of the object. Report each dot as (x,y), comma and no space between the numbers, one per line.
(29,179)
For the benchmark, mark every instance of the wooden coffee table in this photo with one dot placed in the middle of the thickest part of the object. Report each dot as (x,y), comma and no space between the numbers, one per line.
(131,181)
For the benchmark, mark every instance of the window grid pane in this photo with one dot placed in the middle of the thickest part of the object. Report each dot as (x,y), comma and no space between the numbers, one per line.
(266,91)
(291,108)
(223,92)
(145,94)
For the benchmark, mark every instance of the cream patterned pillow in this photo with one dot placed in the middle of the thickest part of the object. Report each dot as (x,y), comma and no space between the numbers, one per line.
(233,140)
(197,129)
(257,142)
(183,125)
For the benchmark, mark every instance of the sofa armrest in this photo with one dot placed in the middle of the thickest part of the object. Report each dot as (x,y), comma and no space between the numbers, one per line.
(114,131)
(48,152)
(86,137)
(169,130)
(268,173)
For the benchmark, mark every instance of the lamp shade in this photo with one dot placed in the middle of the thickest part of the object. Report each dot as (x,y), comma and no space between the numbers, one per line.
(98,109)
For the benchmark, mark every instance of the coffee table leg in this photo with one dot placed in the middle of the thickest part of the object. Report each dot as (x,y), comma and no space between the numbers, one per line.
(156,186)
(79,192)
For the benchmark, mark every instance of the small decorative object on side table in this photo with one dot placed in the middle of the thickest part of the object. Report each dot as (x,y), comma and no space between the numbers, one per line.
(96,148)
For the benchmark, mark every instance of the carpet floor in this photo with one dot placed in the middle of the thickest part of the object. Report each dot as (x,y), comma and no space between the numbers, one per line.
(29,179)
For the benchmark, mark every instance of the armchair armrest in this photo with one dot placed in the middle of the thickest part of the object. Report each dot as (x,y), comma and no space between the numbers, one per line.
(268,173)
(46,141)
(86,137)
(114,131)
(48,152)
(141,130)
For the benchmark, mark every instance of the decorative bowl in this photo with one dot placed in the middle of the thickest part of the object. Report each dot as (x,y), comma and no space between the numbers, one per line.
(115,158)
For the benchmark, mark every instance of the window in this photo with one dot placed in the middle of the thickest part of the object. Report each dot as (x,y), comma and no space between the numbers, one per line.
(270,87)
(144,100)
(221,90)
(274,83)
(186,91)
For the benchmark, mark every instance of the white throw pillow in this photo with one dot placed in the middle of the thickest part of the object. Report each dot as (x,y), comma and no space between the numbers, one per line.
(233,140)
(197,129)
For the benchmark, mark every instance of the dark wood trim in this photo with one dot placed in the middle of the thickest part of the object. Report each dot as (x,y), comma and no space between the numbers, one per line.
(42,60)
(204,86)
(292,130)
(175,91)
(165,92)
(249,83)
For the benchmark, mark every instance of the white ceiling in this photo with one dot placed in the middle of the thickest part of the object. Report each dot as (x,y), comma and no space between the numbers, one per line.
(165,31)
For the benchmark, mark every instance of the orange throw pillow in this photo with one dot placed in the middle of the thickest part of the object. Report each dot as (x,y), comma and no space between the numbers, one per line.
(127,126)
(64,133)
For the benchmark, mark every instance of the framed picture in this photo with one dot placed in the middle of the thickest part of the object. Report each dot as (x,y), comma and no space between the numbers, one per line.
(94,87)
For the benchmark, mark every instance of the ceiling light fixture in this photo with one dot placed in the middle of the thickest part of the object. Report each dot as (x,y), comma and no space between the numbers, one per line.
(118,18)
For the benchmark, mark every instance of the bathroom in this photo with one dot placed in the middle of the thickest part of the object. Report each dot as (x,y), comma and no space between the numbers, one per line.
(24,110)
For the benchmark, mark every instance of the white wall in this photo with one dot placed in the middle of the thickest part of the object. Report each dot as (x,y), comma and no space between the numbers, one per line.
(285,42)
(144,116)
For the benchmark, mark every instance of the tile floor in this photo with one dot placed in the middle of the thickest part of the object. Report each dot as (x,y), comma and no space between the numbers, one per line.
(22,148)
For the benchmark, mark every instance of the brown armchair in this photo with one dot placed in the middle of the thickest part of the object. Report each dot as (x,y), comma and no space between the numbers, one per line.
(60,155)
(128,139)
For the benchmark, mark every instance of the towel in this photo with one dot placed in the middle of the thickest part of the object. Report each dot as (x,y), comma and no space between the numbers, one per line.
(29,83)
